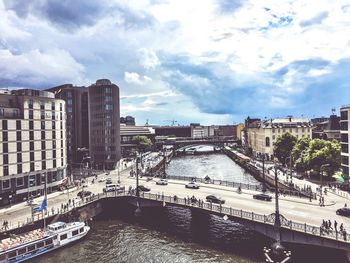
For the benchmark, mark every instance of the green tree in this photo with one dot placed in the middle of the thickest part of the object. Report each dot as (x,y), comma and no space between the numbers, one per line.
(143,143)
(321,152)
(299,153)
(283,146)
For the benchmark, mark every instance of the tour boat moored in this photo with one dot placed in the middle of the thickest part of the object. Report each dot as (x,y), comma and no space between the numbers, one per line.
(19,248)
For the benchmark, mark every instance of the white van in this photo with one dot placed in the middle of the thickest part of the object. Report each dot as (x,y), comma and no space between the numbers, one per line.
(113,188)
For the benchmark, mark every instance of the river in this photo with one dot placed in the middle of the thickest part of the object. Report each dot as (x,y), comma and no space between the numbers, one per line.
(175,234)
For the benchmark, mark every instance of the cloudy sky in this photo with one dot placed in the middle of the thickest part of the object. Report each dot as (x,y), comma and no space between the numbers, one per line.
(207,61)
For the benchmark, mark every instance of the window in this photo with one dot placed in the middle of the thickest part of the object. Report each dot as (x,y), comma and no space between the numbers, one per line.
(42,105)
(60,106)
(31,125)
(61,134)
(63,237)
(43,155)
(54,164)
(4,124)
(108,107)
(81,230)
(31,114)
(61,116)
(19,169)
(22,251)
(53,125)
(19,157)
(31,248)
(48,242)
(53,134)
(19,135)
(31,156)
(18,125)
(40,244)
(43,145)
(75,232)
(344,126)
(5,136)
(43,165)
(32,168)
(345,170)
(42,115)
(53,144)
(344,115)
(31,146)
(12,254)
(19,181)
(5,159)
(54,154)
(5,184)
(345,160)
(344,137)
(43,125)
(31,135)
(344,148)
(30,104)
(53,115)
(52,105)
(5,148)
(19,147)
(43,135)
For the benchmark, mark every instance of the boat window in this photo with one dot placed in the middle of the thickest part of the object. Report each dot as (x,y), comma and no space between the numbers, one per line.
(75,232)
(81,230)
(48,242)
(30,248)
(40,244)
(63,237)
(22,251)
(2,257)
(12,254)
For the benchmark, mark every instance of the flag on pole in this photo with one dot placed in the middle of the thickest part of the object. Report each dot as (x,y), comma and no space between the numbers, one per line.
(43,205)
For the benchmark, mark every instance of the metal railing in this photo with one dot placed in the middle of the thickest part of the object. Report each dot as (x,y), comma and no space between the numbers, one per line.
(188,202)
(255,187)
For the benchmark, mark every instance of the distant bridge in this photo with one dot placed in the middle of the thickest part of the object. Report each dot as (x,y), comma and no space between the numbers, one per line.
(181,142)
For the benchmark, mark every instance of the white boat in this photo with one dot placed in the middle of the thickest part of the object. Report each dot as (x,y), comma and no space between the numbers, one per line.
(19,248)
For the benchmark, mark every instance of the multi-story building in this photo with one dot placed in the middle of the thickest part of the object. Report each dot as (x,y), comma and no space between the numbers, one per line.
(32,144)
(104,124)
(128,120)
(344,138)
(261,135)
(77,110)
(176,131)
(328,129)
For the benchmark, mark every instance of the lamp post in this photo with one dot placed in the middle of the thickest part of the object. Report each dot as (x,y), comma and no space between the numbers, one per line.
(321,176)
(44,175)
(290,158)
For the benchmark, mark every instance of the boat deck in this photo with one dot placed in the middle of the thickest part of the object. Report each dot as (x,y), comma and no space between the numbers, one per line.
(17,240)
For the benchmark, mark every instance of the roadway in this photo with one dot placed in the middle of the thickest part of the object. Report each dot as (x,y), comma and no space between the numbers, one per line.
(293,208)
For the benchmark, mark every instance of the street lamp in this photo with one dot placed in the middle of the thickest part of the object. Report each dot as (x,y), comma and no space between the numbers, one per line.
(321,175)
(290,158)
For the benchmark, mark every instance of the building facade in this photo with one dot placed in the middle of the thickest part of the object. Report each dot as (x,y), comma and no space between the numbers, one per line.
(261,135)
(128,134)
(77,110)
(104,124)
(32,144)
(344,138)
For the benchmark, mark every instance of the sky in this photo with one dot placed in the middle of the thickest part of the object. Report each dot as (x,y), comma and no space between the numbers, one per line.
(183,61)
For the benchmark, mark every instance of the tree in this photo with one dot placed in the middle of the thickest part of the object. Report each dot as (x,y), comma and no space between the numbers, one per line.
(299,152)
(321,152)
(283,146)
(143,143)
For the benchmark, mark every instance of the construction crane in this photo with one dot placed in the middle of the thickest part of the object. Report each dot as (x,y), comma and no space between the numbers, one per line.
(172,122)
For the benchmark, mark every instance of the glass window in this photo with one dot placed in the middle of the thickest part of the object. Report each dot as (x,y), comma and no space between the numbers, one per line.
(19,168)
(19,147)
(31,146)
(4,124)
(344,125)
(19,181)
(31,114)
(42,105)
(4,136)
(5,159)
(5,184)
(344,148)
(18,125)
(31,135)
(344,115)
(344,137)
(63,237)
(19,157)
(75,232)
(5,148)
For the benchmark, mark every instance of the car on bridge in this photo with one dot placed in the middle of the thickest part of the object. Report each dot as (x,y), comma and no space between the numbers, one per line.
(192,185)
(109,180)
(263,197)
(143,188)
(83,193)
(162,182)
(343,211)
(215,199)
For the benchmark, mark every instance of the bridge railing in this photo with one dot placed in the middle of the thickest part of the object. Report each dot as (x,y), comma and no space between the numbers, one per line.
(218,208)
(254,187)
(266,219)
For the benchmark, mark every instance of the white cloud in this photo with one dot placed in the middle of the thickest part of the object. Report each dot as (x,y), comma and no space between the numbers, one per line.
(148,58)
(135,78)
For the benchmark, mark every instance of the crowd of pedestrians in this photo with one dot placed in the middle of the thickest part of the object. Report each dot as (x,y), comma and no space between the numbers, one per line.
(327,228)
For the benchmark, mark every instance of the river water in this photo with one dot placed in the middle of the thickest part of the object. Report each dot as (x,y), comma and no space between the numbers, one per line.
(176,234)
